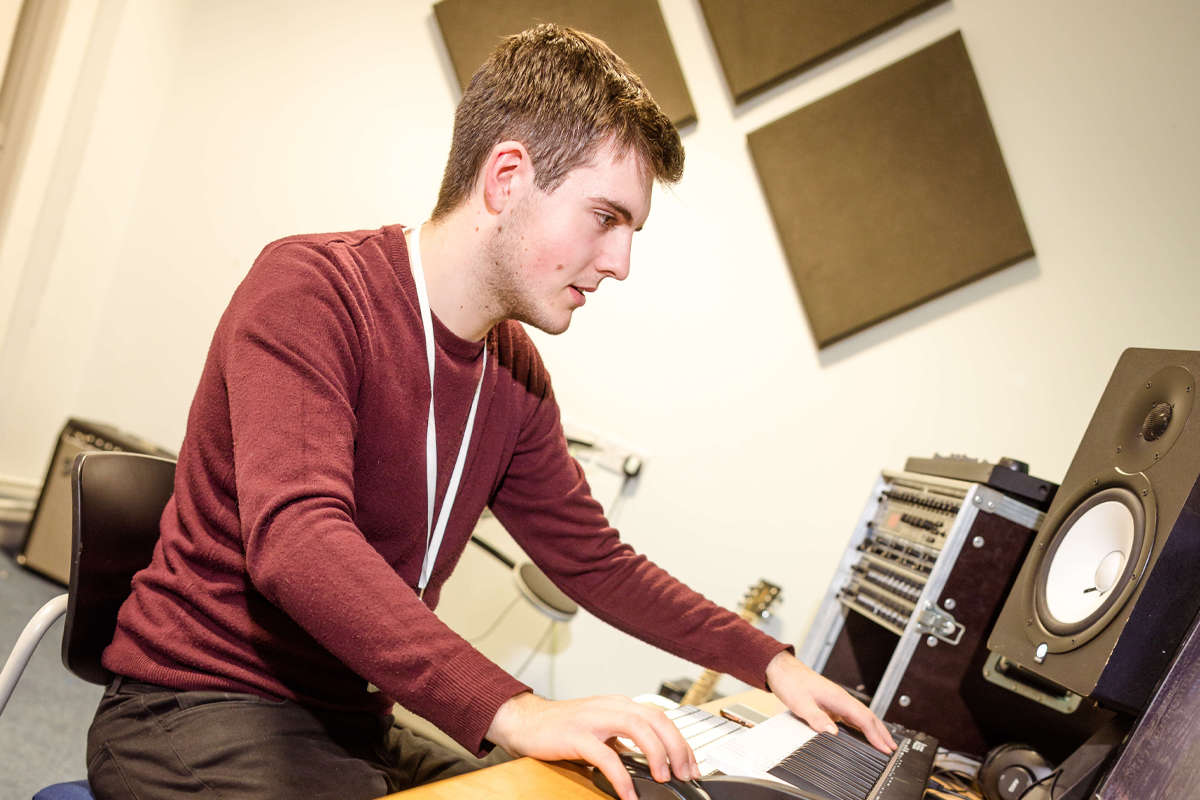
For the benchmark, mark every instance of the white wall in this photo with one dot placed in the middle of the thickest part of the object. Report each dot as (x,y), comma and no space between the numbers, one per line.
(246,121)
(72,213)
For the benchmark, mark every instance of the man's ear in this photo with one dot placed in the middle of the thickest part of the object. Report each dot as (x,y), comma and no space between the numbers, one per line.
(506,173)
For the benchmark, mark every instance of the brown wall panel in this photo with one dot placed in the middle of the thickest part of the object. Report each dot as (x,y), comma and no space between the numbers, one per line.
(634,29)
(761,42)
(890,191)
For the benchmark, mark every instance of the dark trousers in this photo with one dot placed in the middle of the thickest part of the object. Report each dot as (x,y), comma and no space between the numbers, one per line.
(153,742)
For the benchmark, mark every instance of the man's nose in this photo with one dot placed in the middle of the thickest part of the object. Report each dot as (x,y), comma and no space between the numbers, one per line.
(615,262)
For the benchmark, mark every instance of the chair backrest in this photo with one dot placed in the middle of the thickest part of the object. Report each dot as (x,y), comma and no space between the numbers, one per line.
(117,501)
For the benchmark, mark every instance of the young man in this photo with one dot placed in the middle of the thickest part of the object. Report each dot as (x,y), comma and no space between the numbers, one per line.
(365,396)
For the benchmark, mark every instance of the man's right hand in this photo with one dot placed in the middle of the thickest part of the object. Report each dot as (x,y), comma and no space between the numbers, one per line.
(556,730)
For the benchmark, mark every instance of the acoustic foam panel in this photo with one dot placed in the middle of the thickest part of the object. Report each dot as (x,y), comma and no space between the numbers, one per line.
(890,191)
(762,42)
(634,29)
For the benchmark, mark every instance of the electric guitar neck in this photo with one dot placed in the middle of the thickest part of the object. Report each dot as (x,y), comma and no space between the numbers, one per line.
(756,606)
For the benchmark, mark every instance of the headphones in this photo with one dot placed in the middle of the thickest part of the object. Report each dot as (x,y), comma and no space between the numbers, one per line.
(1008,771)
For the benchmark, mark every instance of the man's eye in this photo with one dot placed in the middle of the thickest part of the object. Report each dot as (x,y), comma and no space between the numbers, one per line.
(605,220)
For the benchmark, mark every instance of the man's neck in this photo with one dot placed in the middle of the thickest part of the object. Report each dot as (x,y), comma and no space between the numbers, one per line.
(452,250)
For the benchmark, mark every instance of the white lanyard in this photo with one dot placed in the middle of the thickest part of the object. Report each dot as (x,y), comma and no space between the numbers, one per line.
(434,533)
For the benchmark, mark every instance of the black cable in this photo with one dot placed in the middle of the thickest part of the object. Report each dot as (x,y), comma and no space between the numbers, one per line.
(508,562)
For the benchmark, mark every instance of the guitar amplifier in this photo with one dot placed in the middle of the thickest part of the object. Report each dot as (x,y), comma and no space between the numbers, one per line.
(905,621)
(47,547)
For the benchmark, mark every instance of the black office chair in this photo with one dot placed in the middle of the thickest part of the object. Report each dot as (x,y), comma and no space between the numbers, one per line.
(117,500)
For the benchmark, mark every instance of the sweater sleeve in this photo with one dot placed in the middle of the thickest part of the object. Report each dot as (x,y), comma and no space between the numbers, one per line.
(546,505)
(293,341)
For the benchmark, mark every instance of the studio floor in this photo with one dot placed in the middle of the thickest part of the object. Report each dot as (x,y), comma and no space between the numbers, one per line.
(42,731)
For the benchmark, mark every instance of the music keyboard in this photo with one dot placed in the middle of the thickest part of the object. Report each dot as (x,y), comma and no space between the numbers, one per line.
(749,763)
(821,765)
(844,767)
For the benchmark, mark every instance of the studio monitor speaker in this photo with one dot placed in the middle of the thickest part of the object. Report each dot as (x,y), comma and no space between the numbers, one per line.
(1112,581)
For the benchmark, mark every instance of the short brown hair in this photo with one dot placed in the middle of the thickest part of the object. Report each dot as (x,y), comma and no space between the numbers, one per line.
(562,93)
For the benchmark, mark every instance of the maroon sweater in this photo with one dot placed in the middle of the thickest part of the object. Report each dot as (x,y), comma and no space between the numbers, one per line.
(292,545)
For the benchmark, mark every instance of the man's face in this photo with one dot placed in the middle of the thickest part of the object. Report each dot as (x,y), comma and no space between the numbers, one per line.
(556,247)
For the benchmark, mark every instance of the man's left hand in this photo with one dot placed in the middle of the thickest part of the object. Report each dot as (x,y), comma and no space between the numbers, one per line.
(820,702)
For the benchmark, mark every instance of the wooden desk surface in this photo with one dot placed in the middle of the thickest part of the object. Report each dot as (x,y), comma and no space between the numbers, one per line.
(527,778)
(522,779)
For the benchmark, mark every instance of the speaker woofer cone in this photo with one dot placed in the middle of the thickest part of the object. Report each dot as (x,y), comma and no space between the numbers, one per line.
(1091,564)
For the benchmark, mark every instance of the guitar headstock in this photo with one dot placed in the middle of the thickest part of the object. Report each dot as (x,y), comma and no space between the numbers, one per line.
(756,605)
(759,598)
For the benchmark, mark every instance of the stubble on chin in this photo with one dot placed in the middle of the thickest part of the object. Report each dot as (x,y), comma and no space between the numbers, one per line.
(506,283)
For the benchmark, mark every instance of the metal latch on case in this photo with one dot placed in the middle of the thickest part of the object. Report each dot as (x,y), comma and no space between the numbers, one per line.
(936,621)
